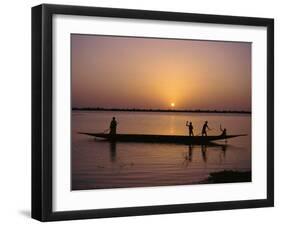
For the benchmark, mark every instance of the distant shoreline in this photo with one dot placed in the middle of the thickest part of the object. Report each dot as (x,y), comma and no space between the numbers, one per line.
(161,110)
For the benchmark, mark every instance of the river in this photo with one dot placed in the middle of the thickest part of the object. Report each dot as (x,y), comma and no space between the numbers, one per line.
(98,164)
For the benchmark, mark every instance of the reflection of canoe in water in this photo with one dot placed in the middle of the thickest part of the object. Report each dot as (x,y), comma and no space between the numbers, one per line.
(161,138)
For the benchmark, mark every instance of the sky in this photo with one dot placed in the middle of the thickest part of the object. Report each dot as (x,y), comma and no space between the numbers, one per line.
(153,73)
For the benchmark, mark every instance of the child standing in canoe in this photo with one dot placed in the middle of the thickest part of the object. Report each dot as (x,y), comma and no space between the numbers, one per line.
(204,129)
(190,128)
(113,126)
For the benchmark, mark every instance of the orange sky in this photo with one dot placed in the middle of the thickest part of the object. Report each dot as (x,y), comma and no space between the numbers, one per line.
(128,72)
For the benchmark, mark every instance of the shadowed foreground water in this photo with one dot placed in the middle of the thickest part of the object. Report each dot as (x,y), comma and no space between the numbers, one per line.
(100,164)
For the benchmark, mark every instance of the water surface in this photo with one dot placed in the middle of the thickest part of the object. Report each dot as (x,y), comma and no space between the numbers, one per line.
(100,164)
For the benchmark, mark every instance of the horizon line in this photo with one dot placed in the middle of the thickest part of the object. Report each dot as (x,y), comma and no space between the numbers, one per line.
(159,110)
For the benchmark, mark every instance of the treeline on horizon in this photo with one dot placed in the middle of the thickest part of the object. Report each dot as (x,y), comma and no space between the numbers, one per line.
(159,110)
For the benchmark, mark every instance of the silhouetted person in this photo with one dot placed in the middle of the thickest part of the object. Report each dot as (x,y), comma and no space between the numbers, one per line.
(204,129)
(113,126)
(190,128)
(223,131)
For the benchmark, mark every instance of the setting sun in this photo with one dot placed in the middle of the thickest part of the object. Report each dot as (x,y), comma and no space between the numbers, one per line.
(172,104)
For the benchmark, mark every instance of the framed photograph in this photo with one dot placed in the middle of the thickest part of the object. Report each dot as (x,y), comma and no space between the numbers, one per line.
(145,112)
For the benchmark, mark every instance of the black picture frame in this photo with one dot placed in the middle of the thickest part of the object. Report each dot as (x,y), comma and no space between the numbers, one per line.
(42,95)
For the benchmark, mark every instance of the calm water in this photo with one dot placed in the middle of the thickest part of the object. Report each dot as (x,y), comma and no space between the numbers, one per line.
(100,164)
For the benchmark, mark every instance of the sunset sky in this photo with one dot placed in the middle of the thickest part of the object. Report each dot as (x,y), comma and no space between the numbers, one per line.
(128,72)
